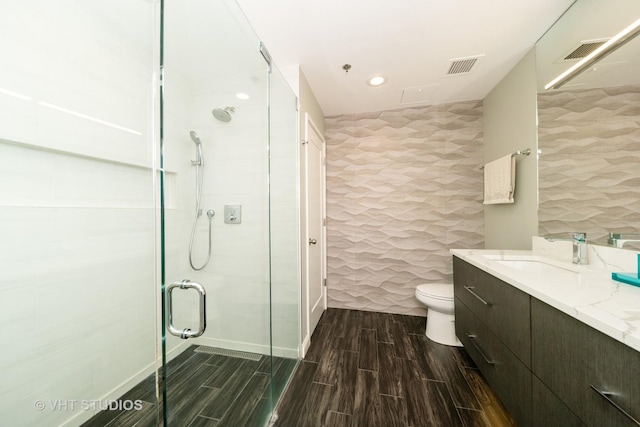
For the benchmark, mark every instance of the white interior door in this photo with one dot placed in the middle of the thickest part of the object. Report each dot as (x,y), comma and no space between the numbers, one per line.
(315,192)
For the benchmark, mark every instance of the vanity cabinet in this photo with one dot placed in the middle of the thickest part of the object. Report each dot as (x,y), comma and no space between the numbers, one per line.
(493,324)
(548,368)
(574,361)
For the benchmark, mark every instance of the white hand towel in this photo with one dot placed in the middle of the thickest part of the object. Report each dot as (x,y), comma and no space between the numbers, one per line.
(500,180)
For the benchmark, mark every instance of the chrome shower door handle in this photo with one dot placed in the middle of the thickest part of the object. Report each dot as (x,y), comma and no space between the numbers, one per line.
(186,332)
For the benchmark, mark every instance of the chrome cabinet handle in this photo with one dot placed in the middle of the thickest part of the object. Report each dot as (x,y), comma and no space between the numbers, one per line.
(606,395)
(312,241)
(472,338)
(186,332)
(470,289)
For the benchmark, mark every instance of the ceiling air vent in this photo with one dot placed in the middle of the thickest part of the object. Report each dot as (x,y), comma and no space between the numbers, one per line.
(584,49)
(462,65)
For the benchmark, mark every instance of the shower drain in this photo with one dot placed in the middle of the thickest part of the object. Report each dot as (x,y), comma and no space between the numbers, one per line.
(230,353)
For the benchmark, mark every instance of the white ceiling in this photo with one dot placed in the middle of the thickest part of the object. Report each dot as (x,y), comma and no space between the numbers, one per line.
(411,42)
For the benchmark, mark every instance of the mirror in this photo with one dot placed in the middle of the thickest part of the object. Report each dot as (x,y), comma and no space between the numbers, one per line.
(589,129)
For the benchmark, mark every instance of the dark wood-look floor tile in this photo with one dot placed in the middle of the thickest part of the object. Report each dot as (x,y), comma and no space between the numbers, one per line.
(344,392)
(281,374)
(203,422)
(144,390)
(351,331)
(389,373)
(293,401)
(329,316)
(340,319)
(368,358)
(490,404)
(102,418)
(420,345)
(383,327)
(414,324)
(316,405)
(191,403)
(462,358)
(218,359)
(260,414)
(242,407)
(442,410)
(474,418)
(415,393)
(269,363)
(445,367)
(393,411)
(180,359)
(319,342)
(367,410)
(329,367)
(179,393)
(147,416)
(368,320)
(402,341)
(186,369)
(225,372)
(182,412)
(235,384)
(335,419)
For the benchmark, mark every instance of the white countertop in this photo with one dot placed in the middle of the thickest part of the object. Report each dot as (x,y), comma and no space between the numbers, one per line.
(590,296)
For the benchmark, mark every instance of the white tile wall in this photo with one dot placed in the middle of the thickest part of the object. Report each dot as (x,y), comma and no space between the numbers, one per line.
(77,230)
(76,205)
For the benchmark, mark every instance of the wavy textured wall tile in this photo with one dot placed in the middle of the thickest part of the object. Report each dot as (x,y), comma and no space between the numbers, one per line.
(590,161)
(403,187)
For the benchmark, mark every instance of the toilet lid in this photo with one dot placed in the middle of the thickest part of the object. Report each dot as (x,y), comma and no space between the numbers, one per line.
(441,291)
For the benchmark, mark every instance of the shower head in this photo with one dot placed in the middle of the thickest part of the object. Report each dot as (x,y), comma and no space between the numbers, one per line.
(194,137)
(223,115)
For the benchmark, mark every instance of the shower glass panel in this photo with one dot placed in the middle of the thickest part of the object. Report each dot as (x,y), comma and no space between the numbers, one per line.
(77,211)
(228,122)
(108,138)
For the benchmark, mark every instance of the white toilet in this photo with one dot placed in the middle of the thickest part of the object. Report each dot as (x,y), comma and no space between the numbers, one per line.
(438,298)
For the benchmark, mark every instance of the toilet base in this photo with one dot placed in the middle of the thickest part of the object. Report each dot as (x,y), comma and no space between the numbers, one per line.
(441,328)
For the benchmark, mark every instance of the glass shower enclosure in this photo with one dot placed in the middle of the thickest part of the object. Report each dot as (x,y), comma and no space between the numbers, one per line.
(148,216)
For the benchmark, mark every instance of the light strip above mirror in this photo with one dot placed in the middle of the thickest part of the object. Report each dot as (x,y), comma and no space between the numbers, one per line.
(611,45)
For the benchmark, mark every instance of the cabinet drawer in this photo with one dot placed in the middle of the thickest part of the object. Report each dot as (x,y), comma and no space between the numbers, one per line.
(508,377)
(549,410)
(574,360)
(500,306)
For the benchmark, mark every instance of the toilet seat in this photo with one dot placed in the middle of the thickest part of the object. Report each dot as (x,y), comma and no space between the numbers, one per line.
(439,291)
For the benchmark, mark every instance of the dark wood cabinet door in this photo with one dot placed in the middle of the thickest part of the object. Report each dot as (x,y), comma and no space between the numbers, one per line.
(502,307)
(506,374)
(576,361)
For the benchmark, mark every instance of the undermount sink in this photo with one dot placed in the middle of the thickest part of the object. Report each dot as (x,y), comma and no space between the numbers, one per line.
(533,264)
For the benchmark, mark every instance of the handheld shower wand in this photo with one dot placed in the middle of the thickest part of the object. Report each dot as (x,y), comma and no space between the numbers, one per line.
(199,164)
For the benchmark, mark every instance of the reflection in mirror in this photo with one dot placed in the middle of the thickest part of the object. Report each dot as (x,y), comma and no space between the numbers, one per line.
(589,129)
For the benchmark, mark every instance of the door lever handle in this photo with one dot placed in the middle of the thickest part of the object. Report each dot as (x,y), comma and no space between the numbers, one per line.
(312,241)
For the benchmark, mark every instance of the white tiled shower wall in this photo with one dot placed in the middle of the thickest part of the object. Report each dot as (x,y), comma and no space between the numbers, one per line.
(77,210)
(76,205)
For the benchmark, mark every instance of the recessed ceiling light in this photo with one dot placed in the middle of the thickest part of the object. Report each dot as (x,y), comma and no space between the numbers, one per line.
(377,80)
(242,96)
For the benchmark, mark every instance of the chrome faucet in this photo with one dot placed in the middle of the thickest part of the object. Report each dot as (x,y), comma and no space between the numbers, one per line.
(619,239)
(579,245)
